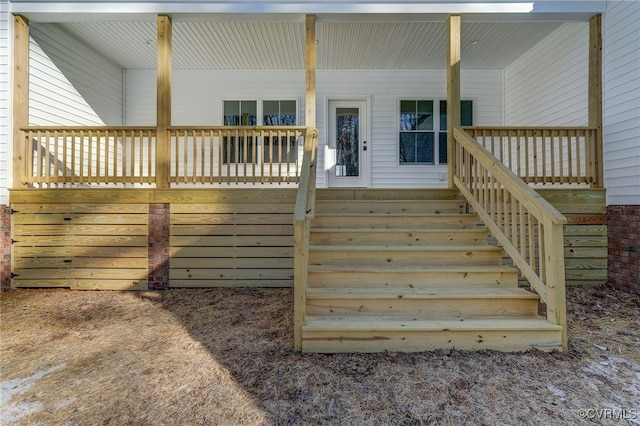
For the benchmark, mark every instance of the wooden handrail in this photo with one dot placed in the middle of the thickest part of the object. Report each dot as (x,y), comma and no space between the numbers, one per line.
(529,229)
(303,213)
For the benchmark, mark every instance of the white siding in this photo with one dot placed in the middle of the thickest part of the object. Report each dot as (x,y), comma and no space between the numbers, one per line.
(5,150)
(548,85)
(386,88)
(198,95)
(622,103)
(70,84)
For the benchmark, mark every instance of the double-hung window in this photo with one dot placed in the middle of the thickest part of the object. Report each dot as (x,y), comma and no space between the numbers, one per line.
(254,113)
(419,123)
(416,132)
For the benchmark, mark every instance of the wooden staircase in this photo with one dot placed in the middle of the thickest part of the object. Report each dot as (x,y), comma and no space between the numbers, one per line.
(412,274)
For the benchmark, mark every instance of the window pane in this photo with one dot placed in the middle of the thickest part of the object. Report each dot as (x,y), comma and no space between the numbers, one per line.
(271,107)
(442,147)
(425,115)
(231,113)
(407,148)
(288,107)
(466,113)
(249,113)
(443,115)
(425,121)
(408,107)
(424,148)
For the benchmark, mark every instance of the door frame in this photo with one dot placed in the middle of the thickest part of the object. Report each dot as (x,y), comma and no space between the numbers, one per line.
(365,129)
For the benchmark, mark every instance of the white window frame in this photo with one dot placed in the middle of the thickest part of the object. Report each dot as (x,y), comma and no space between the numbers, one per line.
(436,128)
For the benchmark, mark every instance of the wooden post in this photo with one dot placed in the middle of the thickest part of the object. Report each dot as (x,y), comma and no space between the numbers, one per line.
(595,95)
(555,277)
(163,150)
(453,91)
(20,97)
(310,71)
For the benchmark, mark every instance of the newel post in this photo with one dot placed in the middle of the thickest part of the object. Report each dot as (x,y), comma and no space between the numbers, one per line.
(453,91)
(163,150)
(20,97)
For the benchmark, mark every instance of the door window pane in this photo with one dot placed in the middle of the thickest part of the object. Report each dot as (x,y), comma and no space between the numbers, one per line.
(347,142)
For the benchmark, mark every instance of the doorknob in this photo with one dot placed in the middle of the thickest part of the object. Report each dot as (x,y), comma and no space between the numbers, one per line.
(364,145)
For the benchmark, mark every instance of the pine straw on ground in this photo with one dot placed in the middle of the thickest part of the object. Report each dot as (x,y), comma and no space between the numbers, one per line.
(224,357)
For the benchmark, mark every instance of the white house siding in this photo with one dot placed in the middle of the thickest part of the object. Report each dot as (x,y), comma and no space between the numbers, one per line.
(621,132)
(198,95)
(5,119)
(548,85)
(71,84)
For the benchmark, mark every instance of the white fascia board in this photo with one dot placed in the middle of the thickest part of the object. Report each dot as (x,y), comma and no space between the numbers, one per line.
(313,6)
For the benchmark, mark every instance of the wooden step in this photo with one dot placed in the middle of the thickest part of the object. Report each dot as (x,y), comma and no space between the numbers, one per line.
(411,334)
(410,237)
(447,301)
(391,206)
(346,194)
(327,276)
(399,255)
(395,221)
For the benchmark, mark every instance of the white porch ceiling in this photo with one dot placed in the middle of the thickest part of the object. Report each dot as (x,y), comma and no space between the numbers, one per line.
(251,44)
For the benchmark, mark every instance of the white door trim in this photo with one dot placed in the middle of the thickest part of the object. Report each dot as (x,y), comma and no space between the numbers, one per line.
(364,180)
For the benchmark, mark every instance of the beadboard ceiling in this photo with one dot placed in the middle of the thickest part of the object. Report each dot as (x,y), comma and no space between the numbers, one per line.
(252,44)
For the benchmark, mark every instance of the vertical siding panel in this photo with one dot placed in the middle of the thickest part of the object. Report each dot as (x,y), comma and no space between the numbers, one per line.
(621,98)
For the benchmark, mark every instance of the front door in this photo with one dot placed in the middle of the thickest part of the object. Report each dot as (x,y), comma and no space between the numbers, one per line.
(347,141)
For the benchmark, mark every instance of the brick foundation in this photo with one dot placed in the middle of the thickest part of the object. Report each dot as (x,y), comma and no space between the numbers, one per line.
(159,221)
(624,246)
(5,247)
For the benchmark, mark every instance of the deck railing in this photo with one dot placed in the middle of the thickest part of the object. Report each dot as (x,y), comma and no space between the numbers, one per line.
(235,154)
(126,156)
(529,229)
(304,212)
(545,155)
(82,156)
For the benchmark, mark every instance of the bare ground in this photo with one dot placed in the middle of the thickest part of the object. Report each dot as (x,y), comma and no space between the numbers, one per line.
(224,357)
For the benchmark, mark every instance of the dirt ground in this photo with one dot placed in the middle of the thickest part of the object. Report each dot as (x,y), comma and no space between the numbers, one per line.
(224,357)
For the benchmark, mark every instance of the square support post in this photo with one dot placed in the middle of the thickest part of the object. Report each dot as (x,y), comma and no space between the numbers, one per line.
(20,98)
(595,95)
(310,71)
(163,150)
(453,91)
